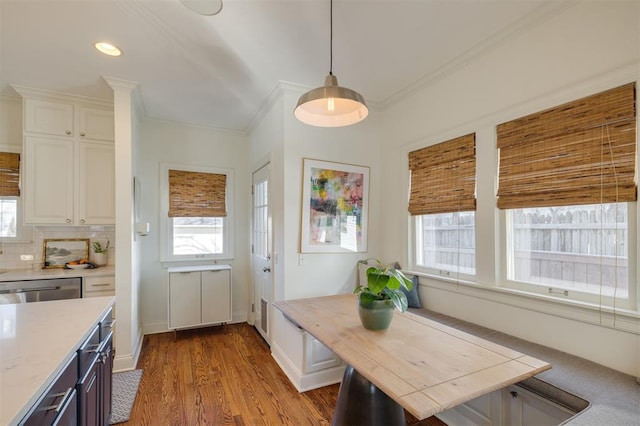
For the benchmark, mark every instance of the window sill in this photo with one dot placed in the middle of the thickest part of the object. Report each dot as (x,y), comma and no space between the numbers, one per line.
(618,319)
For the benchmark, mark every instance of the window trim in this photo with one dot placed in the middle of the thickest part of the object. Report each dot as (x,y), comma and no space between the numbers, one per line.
(490,284)
(166,228)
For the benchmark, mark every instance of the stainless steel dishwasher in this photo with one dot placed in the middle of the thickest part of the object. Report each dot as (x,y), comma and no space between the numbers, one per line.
(40,290)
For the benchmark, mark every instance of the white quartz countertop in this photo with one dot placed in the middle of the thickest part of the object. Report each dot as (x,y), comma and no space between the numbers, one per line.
(41,274)
(36,341)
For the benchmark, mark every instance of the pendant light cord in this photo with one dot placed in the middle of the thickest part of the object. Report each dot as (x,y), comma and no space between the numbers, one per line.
(331,37)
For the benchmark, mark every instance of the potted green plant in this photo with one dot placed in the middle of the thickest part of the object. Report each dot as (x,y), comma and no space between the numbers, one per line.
(100,252)
(381,295)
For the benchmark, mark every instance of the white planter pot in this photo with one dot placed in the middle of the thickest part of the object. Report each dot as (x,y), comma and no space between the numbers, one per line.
(100,259)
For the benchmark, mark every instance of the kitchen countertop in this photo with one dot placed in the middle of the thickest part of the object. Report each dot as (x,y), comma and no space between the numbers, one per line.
(36,341)
(41,274)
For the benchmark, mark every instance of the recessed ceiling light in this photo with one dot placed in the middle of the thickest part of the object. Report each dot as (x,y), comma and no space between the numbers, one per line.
(108,48)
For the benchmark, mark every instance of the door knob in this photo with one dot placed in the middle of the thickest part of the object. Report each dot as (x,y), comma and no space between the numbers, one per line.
(266,269)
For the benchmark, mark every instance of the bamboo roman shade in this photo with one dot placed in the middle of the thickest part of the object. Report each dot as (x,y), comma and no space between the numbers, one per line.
(582,152)
(443,177)
(195,194)
(9,174)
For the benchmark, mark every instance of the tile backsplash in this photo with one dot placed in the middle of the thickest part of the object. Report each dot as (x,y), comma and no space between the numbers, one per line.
(12,252)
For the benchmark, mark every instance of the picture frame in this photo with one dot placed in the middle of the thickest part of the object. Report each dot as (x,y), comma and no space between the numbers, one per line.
(335,204)
(56,253)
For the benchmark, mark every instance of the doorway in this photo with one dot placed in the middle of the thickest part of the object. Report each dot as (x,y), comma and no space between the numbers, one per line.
(261,251)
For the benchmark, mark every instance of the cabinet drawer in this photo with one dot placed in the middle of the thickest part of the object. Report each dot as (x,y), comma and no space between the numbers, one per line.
(106,325)
(56,399)
(88,352)
(106,286)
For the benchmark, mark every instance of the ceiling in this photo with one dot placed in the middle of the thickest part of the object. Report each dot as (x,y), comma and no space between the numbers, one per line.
(219,70)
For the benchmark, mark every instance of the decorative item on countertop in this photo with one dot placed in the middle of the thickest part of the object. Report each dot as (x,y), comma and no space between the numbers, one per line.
(79,264)
(100,252)
(381,294)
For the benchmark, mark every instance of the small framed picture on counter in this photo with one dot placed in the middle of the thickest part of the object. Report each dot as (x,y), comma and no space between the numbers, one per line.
(58,252)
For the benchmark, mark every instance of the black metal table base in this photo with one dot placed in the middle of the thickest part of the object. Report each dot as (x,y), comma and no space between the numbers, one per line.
(360,402)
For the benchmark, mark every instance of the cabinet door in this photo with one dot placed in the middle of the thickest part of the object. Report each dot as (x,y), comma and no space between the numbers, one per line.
(48,180)
(52,118)
(89,394)
(96,183)
(94,123)
(184,299)
(106,381)
(527,408)
(216,296)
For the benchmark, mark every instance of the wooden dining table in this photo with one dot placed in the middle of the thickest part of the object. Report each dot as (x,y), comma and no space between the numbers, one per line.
(424,366)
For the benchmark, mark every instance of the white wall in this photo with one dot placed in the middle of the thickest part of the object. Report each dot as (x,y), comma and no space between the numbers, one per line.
(278,137)
(591,46)
(326,273)
(166,142)
(10,122)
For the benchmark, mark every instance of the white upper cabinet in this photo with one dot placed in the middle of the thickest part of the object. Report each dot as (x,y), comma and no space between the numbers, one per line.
(94,123)
(69,176)
(96,183)
(51,118)
(48,180)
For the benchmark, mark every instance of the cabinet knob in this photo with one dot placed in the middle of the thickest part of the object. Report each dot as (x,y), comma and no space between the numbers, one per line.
(266,269)
(81,220)
(68,132)
(514,395)
(68,220)
(82,134)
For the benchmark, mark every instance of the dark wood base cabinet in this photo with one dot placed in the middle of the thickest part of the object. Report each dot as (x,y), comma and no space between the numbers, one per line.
(94,388)
(81,394)
(59,403)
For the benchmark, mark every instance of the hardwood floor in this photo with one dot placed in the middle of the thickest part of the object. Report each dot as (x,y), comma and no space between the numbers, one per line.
(213,376)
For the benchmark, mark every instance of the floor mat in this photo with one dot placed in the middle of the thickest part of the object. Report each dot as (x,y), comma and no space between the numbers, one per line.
(125,388)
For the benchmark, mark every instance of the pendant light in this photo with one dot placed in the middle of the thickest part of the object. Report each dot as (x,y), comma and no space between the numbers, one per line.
(203,7)
(331,105)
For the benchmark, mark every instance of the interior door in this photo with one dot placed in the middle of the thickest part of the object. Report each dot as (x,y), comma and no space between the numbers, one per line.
(261,252)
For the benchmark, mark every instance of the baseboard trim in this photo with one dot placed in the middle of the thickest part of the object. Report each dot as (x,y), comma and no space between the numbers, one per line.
(305,382)
(129,361)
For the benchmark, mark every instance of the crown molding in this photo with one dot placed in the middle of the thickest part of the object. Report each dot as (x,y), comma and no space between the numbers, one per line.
(44,94)
(539,15)
(232,132)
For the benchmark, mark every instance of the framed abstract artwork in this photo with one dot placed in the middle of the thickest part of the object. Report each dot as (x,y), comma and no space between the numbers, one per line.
(335,202)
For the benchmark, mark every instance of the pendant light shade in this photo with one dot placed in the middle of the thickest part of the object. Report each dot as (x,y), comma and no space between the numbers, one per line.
(331,105)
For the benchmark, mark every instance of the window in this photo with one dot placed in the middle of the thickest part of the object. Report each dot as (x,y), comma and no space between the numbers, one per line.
(198,219)
(11,229)
(442,202)
(567,185)
(198,235)
(8,217)
(581,248)
(446,242)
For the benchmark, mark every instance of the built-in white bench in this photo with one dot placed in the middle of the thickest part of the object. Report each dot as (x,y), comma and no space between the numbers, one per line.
(600,395)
